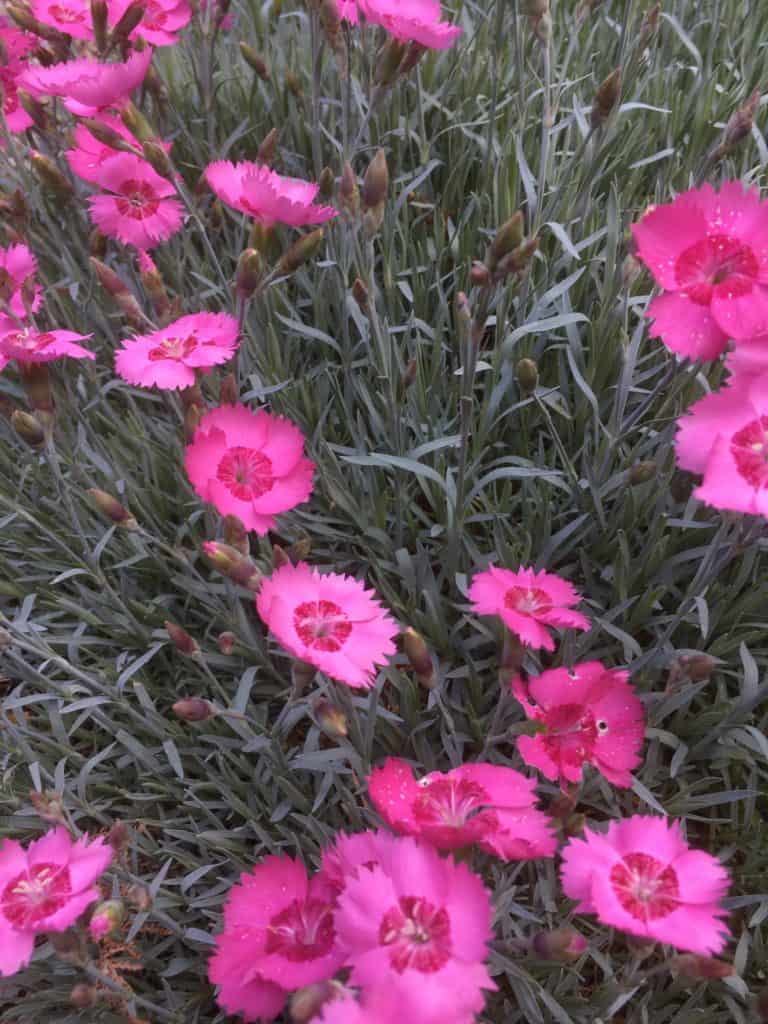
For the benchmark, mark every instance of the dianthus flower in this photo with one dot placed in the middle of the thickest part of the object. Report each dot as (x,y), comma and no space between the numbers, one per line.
(137,208)
(72,17)
(45,888)
(588,715)
(412,21)
(278,936)
(265,195)
(170,357)
(161,23)
(88,86)
(484,804)
(87,156)
(407,998)
(28,345)
(709,252)
(527,602)
(641,877)
(347,853)
(17,46)
(328,620)
(421,918)
(18,266)
(249,464)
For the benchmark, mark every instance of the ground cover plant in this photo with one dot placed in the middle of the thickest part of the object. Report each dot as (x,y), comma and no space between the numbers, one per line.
(382,571)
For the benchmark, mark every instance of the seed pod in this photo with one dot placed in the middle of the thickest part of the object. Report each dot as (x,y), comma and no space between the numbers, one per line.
(28,428)
(112,509)
(193,709)
(527,373)
(250,270)
(420,658)
(300,252)
(182,641)
(606,98)
(253,60)
(268,148)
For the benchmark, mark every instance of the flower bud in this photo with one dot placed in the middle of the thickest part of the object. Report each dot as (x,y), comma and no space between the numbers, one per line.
(112,509)
(34,108)
(331,719)
(250,270)
(48,805)
(119,836)
(410,373)
(562,944)
(192,416)
(361,294)
(376,182)
(228,393)
(67,945)
(119,291)
(254,61)
(420,658)
(83,996)
(302,674)
(51,177)
(294,85)
(509,236)
(106,919)
(182,641)
(479,275)
(97,244)
(701,967)
(128,22)
(231,563)
(28,428)
(136,123)
(300,549)
(349,193)
(326,184)
(36,380)
(139,896)
(300,252)
(388,67)
(650,26)
(642,472)
(606,98)
(535,8)
(413,54)
(268,148)
(154,285)
(157,157)
(739,124)
(226,642)
(542,28)
(306,1003)
(25,20)
(527,373)
(106,135)
(235,534)
(100,22)
(193,709)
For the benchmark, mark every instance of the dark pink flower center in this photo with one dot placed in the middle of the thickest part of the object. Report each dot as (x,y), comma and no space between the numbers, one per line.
(66,15)
(303,931)
(137,200)
(452,803)
(173,348)
(716,260)
(644,887)
(35,894)
(571,733)
(246,472)
(418,935)
(527,600)
(322,625)
(749,448)
(155,16)
(11,103)
(28,341)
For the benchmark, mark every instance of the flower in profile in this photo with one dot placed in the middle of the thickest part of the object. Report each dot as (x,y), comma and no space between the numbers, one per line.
(161,23)
(87,156)
(708,251)
(136,207)
(45,888)
(88,86)
(249,464)
(16,46)
(266,196)
(421,919)
(72,17)
(527,601)
(278,936)
(642,877)
(18,267)
(590,715)
(328,620)
(484,804)
(28,345)
(170,357)
(412,21)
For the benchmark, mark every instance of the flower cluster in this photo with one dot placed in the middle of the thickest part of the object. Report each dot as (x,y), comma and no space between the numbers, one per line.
(16,47)
(409,21)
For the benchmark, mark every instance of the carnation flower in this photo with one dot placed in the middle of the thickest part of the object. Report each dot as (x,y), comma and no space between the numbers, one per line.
(45,888)
(342,859)
(87,157)
(484,804)
(527,601)
(72,17)
(161,22)
(28,345)
(278,936)
(590,715)
(412,21)
(641,877)
(266,196)
(249,464)
(168,358)
(421,918)
(18,265)
(328,620)
(408,998)
(709,252)
(88,86)
(138,210)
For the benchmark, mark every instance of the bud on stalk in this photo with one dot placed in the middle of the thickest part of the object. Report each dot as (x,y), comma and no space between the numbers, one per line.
(193,414)
(157,157)
(154,286)
(100,22)
(112,509)
(420,658)
(226,642)
(228,394)
(232,564)
(268,148)
(361,294)
(527,373)
(182,641)
(349,193)
(250,270)
(83,996)
(106,135)
(254,61)
(606,98)
(119,291)
(701,967)
(51,177)
(388,67)
(326,184)
(137,124)
(413,55)
(235,534)
(294,85)
(641,472)
(300,252)
(739,125)
(106,919)
(331,719)
(129,21)
(36,380)
(34,108)
(28,428)
(193,709)
(509,236)
(375,188)
(562,944)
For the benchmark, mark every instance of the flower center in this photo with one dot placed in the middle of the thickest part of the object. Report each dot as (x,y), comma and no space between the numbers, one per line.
(718,260)
(571,734)
(303,931)
(174,348)
(66,15)
(138,199)
(322,625)
(749,448)
(453,803)
(246,473)
(644,887)
(527,600)
(34,895)
(418,935)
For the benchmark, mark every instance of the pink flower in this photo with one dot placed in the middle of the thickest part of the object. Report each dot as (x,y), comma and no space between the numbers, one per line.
(17,265)
(328,620)
(527,601)
(641,877)
(28,345)
(162,21)
(709,252)
(709,418)
(342,859)
(278,936)
(485,804)
(409,999)
(72,17)
(138,210)
(416,21)
(348,11)
(749,359)
(88,86)
(266,196)
(168,358)
(422,919)
(590,715)
(249,464)
(45,888)
(17,46)
(88,156)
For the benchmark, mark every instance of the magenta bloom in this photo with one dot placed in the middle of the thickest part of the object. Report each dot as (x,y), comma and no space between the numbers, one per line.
(28,345)
(348,853)
(88,155)
(278,936)
(484,804)
(88,86)
(162,21)
(17,265)
(328,620)
(641,877)
(168,358)
(412,21)
(527,601)
(266,196)
(421,918)
(72,17)
(407,998)
(45,888)
(590,715)
(16,46)
(249,464)
(137,209)
(348,11)
(709,252)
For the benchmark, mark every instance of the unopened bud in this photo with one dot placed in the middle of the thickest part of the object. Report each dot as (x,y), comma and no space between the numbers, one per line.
(157,157)
(326,184)
(226,642)
(28,428)
(254,61)
(420,658)
(294,85)
(268,148)
(527,373)
(642,472)
(574,824)
(606,97)
(361,294)
(232,564)
(106,919)
(193,709)
(97,244)
(388,67)
(508,237)
(542,28)
(331,719)
(106,135)
(51,177)
(100,22)
(67,945)
(36,380)
(300,252)
(193,414)
(650,26)
(34,108)
(112,508)
(307,1002)
(182,641)
(631,269)
(413,55)
(228,393)
(119,836)
(535,8)
(300,549)
(49,806)
(695,667)
(139,896)
(562,944)
(349,193)
(740,124)
(119,291)
(83,996)
(280,557)
(24,19)
(517,261)
(136,123)
(701,967)
(250,270)
(154,286)
(410,373)
(302,674)
(479,275)
(376,182)
(128,22)
(235,534)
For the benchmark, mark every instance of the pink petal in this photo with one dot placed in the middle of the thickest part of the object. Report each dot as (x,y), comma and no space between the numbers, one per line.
(685,327)
(664,233)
